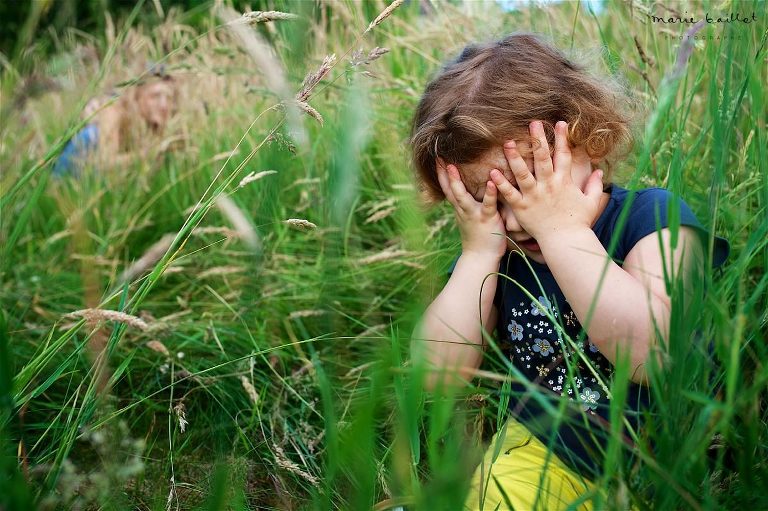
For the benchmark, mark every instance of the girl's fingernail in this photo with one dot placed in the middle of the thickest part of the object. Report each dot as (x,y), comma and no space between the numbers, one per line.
(510,144)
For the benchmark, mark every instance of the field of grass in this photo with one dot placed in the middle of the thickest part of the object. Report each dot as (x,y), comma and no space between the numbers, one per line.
(258,352)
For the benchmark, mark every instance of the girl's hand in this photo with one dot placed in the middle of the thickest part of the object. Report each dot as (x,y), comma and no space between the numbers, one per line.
(549,203)
(482,230)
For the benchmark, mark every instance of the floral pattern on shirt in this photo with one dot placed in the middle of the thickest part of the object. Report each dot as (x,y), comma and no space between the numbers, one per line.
(543,347)
(535,343)
(515,331)
(536,308)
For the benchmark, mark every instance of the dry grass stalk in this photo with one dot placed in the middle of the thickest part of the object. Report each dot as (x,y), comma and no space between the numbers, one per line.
(281,142)
(159,347)
(309,110)
(255,176)
(384,15)
(223,156)
(385,255)
(237,218)
(220,270)
(306,181)
(300,224)
(436,228)
(181,415)
(171,494)
(415,265)
(358,57)
(59,235)
(93,315)
(270,67)
(250,390)
(372,208)
(283,462)
(259,50)
(312,79)
(379,215)
(92,260)
(306,313)
(643,56)
(371,330)
(192,209)
(149,259)
(254,17)
(213,229)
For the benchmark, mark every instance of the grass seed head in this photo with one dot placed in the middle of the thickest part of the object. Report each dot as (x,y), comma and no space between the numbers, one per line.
(306,313)
(283,462)
(300,224)
(94,315)
(380,215)
(250,390)
(220,270)
(148,260)
(181,415)
(240,222)
(358,57)
(385,255)
(158,347)
(312,79)
(307,109)
(254,17)
(255,176)
(384,15)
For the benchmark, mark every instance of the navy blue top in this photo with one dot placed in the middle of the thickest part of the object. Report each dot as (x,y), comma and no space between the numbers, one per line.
(76,149)
(532,342)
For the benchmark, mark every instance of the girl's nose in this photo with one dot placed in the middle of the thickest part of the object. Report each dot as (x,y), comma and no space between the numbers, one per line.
(510,221)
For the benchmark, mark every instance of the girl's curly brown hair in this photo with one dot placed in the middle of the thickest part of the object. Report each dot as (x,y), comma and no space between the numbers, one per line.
(492,92)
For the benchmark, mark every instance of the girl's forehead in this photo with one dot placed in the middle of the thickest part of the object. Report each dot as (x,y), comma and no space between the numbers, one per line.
(476,173)
(162,87)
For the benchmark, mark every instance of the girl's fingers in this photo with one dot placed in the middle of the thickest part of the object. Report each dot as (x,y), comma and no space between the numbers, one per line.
(511,194)
(490,198)
(542,160)
(463,198)
(442,178)
(523,176)
(594,186)
(562,150)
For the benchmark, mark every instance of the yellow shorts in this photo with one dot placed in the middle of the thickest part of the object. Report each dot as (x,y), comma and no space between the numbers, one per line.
(518,469)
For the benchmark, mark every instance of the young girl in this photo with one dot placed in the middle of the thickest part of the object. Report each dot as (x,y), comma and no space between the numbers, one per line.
(510,134)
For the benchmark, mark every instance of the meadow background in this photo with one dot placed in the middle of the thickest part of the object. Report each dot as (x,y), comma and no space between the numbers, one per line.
(257,355)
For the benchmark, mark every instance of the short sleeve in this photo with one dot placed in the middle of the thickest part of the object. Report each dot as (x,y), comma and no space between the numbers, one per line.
(655,209)
(453,265)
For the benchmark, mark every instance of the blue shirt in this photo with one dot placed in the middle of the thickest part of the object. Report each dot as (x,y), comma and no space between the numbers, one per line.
(533,344)
(85,141)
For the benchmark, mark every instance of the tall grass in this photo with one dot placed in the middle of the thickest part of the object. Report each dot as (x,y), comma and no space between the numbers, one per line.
(276,373)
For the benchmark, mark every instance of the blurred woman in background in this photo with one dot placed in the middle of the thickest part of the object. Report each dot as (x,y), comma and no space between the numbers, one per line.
(129,128)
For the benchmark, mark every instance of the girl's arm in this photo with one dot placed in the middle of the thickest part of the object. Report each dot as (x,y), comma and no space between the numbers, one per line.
(631,298)
(451,324)
(559,215)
